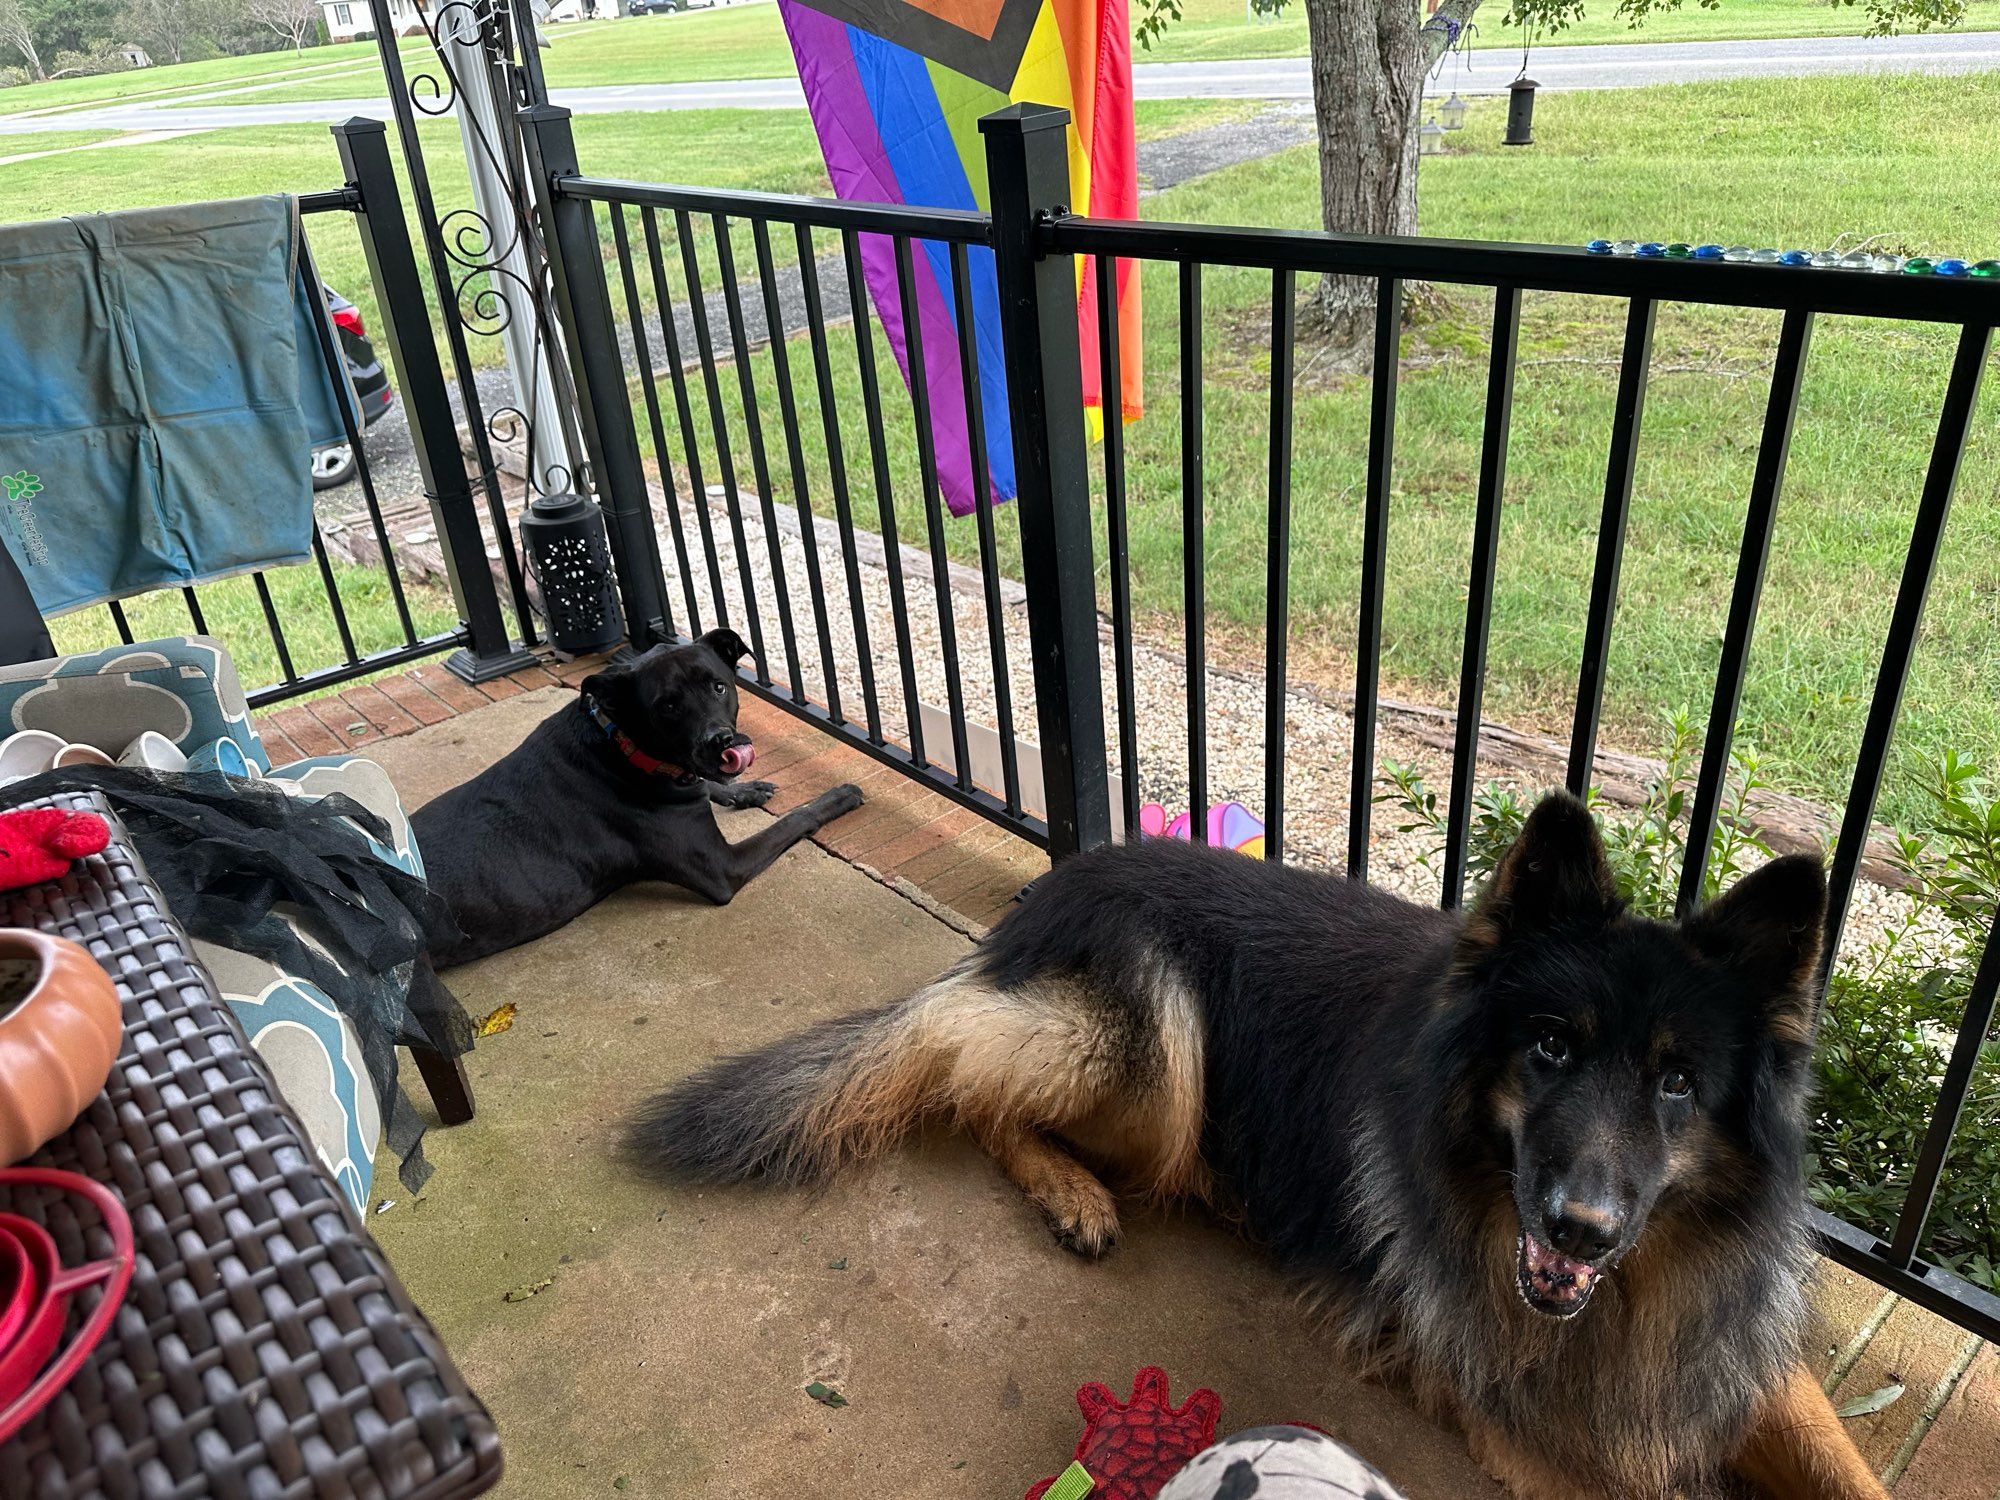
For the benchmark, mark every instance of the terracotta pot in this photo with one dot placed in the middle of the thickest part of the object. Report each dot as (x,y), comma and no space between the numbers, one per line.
(59,1034)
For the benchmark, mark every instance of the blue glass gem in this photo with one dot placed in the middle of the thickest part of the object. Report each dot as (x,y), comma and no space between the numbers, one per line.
(1599,247)
(1796,258)
(1952,267)
(1709,252)
(1651,247)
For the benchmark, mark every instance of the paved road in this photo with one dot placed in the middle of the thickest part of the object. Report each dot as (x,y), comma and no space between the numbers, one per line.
(1625,65)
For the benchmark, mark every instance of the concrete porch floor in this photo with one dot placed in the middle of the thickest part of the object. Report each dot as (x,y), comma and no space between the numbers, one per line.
(659,1343)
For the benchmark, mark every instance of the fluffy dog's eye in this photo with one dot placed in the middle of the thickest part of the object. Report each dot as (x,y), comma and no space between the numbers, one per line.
(1676,1084)
(720,687)
(1551,1048)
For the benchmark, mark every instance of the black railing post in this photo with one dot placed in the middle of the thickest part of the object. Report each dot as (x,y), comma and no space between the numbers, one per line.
(583,304)
(489,651)
(1027,173)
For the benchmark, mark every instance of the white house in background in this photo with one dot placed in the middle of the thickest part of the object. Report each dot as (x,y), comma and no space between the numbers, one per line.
(346,18)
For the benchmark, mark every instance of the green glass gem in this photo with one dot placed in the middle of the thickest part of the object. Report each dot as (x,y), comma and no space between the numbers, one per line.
(1986,268)
(1916,265)
(1678,251)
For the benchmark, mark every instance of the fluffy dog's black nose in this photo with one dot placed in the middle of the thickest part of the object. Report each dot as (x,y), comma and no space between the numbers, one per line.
(1585,1231)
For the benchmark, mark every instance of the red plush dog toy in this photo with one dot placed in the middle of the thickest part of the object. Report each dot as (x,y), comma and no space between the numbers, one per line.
(1133,1447)
(38,843)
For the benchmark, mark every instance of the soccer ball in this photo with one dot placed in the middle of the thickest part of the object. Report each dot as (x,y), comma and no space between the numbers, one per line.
(1279,1463)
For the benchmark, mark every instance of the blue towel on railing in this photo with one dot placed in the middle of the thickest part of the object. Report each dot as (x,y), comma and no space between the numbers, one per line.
(162,387)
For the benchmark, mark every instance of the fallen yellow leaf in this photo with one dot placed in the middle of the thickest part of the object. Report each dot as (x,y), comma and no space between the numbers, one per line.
(499,1021)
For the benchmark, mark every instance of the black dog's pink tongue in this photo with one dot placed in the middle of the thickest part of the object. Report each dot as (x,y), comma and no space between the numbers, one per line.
(737,758)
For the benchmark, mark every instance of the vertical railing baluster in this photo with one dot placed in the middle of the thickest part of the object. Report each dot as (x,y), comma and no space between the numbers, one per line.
(1278,558)
(989,559)
(1965,1057)
(760,465)
(124,626)
(788,413)
(1905,623)
(642,352)
(663,306)
(836,469)
(195,616)
(1479,589)
(725,463)
(276,630)
(885,499)
(333,600)
(1626,413)
(920,406)
(1118,541)
(1779,414)
(1194,555)
(1374,566)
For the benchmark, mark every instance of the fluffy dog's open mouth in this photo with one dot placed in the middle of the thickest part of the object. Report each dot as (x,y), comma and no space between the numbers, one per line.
(1551,1283)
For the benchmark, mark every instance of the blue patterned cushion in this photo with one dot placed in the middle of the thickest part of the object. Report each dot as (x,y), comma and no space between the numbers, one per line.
(185,687)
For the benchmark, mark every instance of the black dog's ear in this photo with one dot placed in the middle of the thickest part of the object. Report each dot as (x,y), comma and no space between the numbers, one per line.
(1554,875)
(726,644)
(613,687)
(1767,928)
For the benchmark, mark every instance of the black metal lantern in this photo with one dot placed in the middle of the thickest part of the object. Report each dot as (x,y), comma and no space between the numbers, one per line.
(562,537)
(1520,113)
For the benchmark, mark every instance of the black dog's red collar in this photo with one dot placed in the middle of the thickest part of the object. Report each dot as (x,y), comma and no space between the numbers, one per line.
(640,761)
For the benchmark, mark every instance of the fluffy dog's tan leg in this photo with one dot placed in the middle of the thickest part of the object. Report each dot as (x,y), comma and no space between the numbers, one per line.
(1525,1476)
(1797,1449)
(1079,1207)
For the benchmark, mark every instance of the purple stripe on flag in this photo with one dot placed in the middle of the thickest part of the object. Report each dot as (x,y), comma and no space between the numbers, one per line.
(859,166)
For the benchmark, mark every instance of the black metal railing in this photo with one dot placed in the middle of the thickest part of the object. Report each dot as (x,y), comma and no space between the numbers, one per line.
(480,641)
(1037,247)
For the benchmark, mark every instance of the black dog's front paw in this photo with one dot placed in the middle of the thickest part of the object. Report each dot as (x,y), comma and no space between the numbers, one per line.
(747,793)
(839,802)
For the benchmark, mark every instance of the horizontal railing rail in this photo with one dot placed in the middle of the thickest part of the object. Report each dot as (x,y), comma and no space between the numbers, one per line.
(952,226)
(1536,268)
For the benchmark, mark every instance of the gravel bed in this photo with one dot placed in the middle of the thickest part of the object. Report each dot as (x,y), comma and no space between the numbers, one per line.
(1318,733)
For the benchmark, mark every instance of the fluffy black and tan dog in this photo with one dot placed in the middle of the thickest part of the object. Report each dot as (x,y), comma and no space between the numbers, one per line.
(613,788)
(1542,1162)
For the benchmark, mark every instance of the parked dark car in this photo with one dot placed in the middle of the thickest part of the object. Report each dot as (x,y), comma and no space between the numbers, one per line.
(663,7)
(334,464)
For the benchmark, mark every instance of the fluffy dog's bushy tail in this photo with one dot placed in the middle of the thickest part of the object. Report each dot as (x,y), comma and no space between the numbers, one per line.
(797,1110)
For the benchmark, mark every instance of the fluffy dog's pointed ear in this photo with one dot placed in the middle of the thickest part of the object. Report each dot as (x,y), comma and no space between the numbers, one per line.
(1555,875)
(726,644)
(1767,928)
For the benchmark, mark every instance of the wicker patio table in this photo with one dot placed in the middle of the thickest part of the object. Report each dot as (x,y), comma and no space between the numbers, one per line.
(265,1350)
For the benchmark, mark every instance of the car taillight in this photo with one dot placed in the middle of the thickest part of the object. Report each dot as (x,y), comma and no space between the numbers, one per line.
(350,319)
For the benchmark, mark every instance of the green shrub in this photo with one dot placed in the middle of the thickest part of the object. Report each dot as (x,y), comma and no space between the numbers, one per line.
(1892,1015)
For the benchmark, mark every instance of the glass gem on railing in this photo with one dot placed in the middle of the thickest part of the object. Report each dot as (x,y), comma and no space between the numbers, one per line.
(1651,248)
(1599,247)
(1678,251)
(1986,268)
(1739,253)
(1888,264)
(1952,266)
(1709,252)
(1625,247)
(1796,258)
(1766,257)
(1857,260)
(1918,265)
(1825,260)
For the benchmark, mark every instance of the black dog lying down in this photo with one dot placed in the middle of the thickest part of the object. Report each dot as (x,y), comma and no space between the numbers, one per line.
(609,790)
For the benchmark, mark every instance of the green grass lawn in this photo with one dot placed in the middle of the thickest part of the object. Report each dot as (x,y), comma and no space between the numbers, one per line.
(1606,166)
(749,42)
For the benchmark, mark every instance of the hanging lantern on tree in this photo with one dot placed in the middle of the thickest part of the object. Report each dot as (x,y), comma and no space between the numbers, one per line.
(1430,140)
(1451,113)
(569,560)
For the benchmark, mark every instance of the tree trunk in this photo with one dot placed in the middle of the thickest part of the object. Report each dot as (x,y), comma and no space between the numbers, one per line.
(1369,61)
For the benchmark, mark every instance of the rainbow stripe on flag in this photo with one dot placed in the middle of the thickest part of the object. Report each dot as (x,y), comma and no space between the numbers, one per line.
(896,89)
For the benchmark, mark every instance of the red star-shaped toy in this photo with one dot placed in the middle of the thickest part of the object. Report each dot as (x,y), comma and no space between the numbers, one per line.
(1132,1448)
